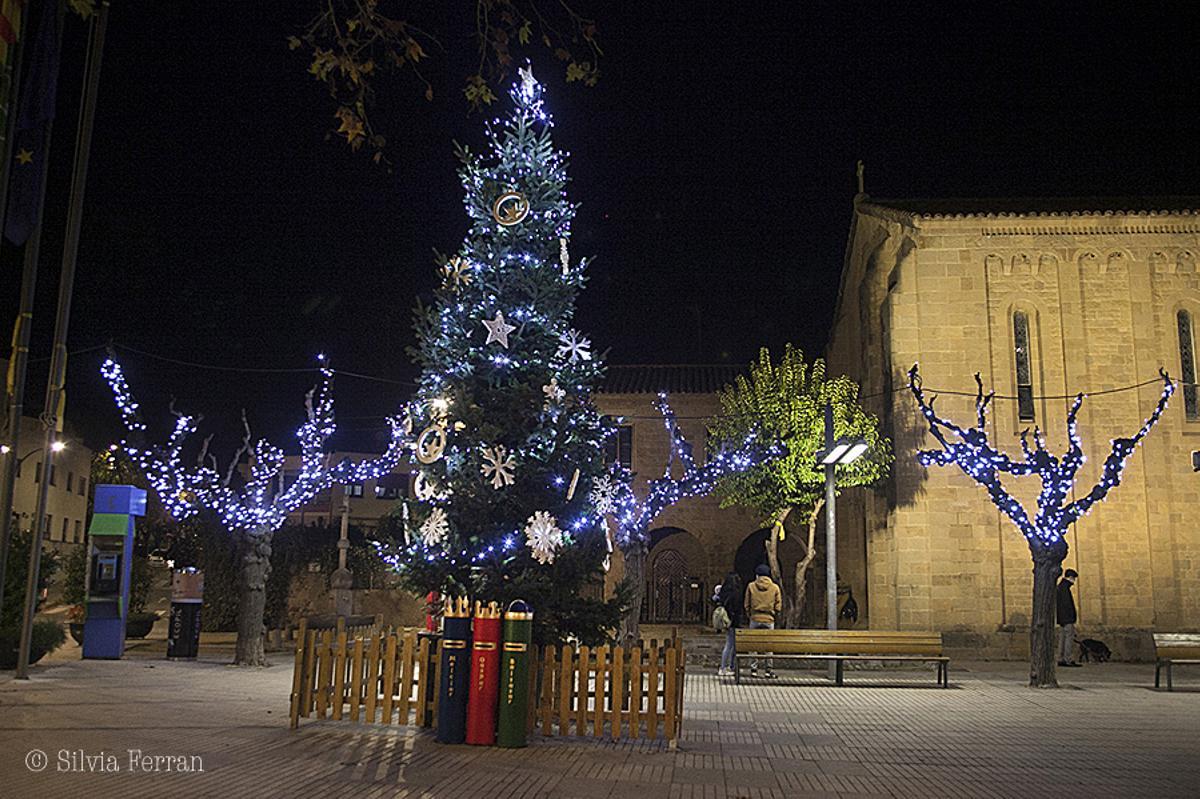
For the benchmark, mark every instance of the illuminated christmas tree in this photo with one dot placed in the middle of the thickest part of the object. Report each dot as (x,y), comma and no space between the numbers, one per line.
(970,450)
(513,497)
(509,442)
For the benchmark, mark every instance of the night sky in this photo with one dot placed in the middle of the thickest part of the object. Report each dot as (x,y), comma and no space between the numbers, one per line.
(714,163)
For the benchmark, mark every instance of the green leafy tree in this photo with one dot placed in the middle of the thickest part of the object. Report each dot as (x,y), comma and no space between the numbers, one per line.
(787,400)
(512,442)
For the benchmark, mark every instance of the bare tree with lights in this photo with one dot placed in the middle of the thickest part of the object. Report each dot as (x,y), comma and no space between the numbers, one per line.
(250,508)
(633,516)
(970,450)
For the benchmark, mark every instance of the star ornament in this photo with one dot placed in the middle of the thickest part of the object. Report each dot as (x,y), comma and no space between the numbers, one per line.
(498,330)
(24,156)
(528,82)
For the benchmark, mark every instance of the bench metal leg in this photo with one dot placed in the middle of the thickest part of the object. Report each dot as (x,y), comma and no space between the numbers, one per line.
(737,669)
(838,671)
(1158,674)
(945,675)
(1170,687)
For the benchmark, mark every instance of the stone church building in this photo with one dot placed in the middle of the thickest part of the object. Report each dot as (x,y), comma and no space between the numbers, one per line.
(1044,298)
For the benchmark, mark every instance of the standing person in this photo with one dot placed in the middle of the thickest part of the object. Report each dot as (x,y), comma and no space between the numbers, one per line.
(730,598)
(763,600)
(1066,619)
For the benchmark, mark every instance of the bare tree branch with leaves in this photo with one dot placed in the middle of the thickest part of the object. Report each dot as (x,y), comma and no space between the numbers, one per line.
(352,44)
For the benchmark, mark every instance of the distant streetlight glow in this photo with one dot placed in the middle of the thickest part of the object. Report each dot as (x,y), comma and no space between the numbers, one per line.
(58,446)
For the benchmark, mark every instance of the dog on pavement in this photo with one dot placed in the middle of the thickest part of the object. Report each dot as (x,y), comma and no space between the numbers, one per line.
(1091,649)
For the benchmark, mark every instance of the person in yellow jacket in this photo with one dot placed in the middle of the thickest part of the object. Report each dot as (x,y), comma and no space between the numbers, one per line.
(763,602)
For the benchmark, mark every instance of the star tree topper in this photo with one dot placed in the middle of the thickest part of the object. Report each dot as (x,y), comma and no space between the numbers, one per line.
(498,330)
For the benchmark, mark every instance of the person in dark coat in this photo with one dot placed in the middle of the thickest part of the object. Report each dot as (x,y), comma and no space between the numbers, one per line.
(1066,616)
(730,598)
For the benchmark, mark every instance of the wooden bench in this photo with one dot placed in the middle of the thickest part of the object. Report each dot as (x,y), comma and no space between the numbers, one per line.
(839,646)
(1174,648)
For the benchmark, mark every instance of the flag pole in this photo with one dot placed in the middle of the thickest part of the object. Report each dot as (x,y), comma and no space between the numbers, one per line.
(8,464)
(18,360)
(55,396)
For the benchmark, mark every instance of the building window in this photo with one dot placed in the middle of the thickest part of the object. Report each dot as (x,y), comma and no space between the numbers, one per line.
(354,489)
(78,531)
(37,472)
(82,486)
(70,481)
(618,447)
(66,528)
(53,475)
(1187,361)
(1024,369)
(391,486)
(50,524)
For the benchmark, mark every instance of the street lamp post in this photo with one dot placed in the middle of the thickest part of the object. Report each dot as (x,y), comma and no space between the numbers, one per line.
(342,580)
(52,446)
(836,453)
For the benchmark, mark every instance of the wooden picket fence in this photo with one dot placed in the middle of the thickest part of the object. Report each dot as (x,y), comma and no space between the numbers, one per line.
(612,691)
(392,678)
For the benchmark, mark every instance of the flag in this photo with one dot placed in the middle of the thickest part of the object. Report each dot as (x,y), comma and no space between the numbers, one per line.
(10,23)
(10,27)
(35,109)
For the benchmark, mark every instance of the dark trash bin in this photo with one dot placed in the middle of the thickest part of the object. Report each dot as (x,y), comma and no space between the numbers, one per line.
(187,595)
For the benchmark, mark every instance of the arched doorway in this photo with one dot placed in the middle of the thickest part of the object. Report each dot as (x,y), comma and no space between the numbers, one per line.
(675,587)
(751,554)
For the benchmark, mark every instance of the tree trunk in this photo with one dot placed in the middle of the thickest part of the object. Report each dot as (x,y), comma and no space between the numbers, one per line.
(803,565)
(1047,566)
(635,573)
(772,545)
(255,552)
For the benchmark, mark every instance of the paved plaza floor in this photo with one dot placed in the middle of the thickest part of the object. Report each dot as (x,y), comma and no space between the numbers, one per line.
(1107,734)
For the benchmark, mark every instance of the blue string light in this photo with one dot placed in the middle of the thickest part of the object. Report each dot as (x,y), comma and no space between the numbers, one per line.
(263,502)
(972,453)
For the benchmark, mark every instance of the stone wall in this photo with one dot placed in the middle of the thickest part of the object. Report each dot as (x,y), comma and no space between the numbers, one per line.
(1101,292)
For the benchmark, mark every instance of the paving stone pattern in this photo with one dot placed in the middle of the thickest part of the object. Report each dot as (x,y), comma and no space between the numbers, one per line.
(1108,734)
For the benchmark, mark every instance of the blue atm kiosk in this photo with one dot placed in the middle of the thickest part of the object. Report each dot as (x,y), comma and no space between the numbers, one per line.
(109,564)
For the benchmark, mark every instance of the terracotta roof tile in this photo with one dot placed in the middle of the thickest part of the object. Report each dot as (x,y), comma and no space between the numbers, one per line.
(672,378)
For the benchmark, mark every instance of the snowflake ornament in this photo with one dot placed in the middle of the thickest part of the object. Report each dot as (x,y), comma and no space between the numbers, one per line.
(554,393)
(603,495)
(456,273)
(543,536)
(574,347)
(435,529)
(499,466)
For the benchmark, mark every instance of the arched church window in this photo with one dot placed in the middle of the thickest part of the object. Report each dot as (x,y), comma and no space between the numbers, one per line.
(1187,364)
(1024,367)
